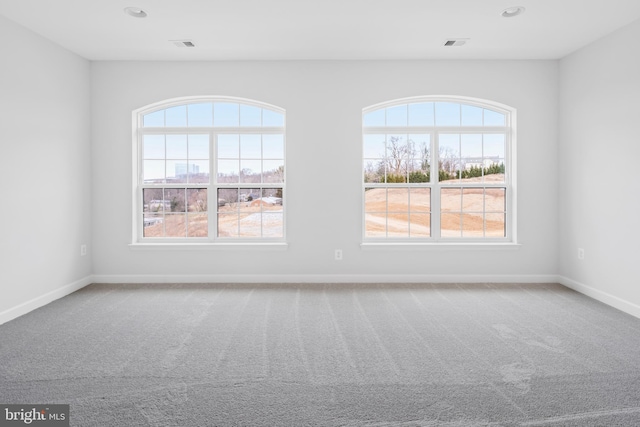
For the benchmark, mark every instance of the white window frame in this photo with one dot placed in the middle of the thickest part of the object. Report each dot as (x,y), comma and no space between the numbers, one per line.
(212,240)
(436,240)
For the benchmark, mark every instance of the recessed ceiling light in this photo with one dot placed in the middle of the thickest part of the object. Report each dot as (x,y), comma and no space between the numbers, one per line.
(136,12)
(510,12)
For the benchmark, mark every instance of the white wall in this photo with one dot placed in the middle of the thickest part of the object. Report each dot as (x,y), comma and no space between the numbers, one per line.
(324,101)
(45,171)
(599,164)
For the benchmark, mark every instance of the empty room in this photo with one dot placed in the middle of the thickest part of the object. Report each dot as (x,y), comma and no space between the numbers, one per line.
(304,213)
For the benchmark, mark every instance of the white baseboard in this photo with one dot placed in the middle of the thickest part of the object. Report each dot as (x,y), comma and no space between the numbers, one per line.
(612,300)
(325,278)
(43,300)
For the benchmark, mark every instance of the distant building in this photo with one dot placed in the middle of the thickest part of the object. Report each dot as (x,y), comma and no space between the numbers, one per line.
(184,169)
(479,163)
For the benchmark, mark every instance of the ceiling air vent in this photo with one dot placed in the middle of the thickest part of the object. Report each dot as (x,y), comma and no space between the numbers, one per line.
(183,43)
(455,42)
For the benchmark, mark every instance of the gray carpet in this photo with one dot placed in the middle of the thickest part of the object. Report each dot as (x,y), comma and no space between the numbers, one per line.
(327,355)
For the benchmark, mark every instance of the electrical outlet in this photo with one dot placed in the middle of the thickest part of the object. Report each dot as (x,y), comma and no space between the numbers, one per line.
(83,250)
(580,254)
(338,255)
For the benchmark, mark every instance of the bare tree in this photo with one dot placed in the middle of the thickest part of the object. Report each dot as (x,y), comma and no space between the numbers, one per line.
(398,155)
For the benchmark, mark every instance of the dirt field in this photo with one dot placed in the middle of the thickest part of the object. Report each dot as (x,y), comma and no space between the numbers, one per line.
(248,219)
(176,225)
(462,212)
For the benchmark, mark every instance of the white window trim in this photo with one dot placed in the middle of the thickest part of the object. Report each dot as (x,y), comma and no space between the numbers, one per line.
(508,242)
(212,242)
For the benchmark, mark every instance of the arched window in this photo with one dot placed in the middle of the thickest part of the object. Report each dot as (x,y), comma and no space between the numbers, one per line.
(438,169)
(209,169)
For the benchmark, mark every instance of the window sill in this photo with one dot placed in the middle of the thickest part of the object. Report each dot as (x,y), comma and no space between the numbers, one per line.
(227,246)
(440,246)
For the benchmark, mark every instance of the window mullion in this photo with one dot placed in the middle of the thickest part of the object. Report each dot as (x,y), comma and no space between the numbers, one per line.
(212,188)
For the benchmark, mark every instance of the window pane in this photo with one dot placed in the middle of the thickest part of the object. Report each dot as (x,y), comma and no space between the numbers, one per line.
(374,146)
(451,200)
(273,171)
(176,116)
(272,214)
(451,225)
(246,196)
(198,171)
(174,199)
(398,200)
(273,196)
(420,200)
(197,225)
(473,199)
(200,114)
(228,146)
(493,118)
(421,114)
(449,152)
(153,147)
(153,171)
(374,118)
(153,200)
(375,199)
(375,225)
(272,224)
(494,170)
(250,218)
(472,225)
(228,171)
(495,200)
(228,224)
(471,145)
(447,114)
(271,118)
(397,225)
(250,224)
(494,154)
(397,158)
(155,119)
(250,115)
(397,116)
(228,212)
(226,114)
(419,154)
(273,146)
(250,146)
(374,170)
(176,146)
(227,200)
(471,116)
(197,200)
(493,145)
(175,225)
(250,171)
(178,171)
(198,146)
(420,225)
(495,225)
(472,169)
(153,225)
